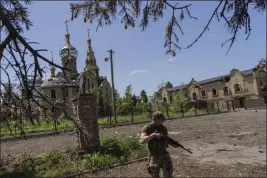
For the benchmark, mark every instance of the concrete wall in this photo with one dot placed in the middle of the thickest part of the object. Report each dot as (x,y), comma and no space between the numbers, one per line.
(255,103)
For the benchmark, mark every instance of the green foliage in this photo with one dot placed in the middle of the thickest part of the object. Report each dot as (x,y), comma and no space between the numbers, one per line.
(135,100)
(179,101)
(141,107)
(112,147)
(235,14)
(91,91)
(117,95)
(143,96)
(27,165)
(58,164)
(125,104)
(167,84)
(52,157)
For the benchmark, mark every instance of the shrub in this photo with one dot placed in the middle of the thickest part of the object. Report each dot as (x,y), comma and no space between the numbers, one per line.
(111,146)
(52,157)
(27,166)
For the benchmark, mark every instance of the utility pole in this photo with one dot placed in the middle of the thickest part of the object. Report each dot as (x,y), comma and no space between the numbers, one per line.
(0,65)
(111,52)
(0,91)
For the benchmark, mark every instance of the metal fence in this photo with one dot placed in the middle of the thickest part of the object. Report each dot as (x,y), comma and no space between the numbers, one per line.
(134,115)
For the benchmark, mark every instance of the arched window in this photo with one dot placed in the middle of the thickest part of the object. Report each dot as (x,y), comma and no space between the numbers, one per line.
(194,96)
(84,86)
(225,90)
(203,93)
(170,99)
(53,94)
(214,92)
(237,88)
(164,99)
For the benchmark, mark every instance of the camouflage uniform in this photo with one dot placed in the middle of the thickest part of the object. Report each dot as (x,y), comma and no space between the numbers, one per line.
(159,157)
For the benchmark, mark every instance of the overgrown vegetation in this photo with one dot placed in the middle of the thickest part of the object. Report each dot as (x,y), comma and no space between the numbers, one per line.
(234,13)
(58,164)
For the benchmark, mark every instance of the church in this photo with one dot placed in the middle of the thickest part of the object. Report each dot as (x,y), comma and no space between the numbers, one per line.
(61,87)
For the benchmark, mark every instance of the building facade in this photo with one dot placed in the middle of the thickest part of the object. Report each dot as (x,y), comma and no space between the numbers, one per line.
(235,86)
(61,87)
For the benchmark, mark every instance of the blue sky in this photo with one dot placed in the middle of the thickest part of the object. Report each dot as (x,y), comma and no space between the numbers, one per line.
(140,58)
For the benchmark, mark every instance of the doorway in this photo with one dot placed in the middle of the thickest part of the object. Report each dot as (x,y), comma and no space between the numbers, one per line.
(241,102)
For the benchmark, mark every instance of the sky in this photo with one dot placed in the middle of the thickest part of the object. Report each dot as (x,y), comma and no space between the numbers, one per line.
(140,58)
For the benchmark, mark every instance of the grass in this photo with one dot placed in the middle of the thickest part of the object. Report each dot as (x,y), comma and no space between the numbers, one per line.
(58,164)
(64,124)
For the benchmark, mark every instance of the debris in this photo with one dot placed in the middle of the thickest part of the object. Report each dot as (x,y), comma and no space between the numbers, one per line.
(224,149)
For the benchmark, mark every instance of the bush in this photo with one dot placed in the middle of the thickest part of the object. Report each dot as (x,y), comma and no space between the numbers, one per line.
(56,164)
(27,166)
(52,157)
(111,146)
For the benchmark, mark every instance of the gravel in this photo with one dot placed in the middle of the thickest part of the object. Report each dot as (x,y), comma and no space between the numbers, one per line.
(224,145)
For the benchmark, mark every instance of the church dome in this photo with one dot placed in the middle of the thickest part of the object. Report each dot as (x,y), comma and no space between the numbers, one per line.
(68,49)
(54,82)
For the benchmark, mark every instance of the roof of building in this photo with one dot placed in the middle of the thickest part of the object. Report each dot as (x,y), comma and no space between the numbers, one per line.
(54,82)
(206,81)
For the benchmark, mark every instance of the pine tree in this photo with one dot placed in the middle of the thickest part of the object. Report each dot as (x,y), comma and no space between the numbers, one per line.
(235,14)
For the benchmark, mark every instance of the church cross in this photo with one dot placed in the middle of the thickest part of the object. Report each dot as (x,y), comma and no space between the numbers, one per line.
(88,31)
(66,22)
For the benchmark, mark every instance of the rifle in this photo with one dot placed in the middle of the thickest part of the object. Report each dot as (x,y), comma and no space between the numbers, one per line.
(176,144)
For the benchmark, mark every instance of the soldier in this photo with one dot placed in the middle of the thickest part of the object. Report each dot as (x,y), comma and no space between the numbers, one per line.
(159,157)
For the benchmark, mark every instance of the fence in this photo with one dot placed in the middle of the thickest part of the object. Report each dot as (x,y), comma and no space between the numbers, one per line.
(132,114)
(194,109)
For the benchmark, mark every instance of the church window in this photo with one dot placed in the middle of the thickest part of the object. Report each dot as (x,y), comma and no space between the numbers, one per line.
(53,109)
(214,92)
(164,99)
(93,85)
(225,90)
(53,94)
(203,92)
(237,88)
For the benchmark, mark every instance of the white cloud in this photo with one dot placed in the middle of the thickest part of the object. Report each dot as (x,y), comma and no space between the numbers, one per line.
(138,71)
(171,59)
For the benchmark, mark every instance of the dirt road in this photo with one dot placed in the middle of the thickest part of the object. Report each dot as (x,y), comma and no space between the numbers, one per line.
(230,144)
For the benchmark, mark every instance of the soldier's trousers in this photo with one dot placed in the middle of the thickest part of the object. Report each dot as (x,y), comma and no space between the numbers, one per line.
(164,162)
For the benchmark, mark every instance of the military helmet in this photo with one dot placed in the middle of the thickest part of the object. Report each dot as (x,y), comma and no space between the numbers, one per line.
(158,115)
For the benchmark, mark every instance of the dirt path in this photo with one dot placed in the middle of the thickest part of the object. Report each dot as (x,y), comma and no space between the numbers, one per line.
(186,167)
(231,142)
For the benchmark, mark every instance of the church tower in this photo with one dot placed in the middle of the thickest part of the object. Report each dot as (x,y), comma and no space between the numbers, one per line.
(90,62)
(52,68)
(69,56)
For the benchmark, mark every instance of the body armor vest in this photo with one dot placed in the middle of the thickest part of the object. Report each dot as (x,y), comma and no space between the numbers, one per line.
(157,147)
